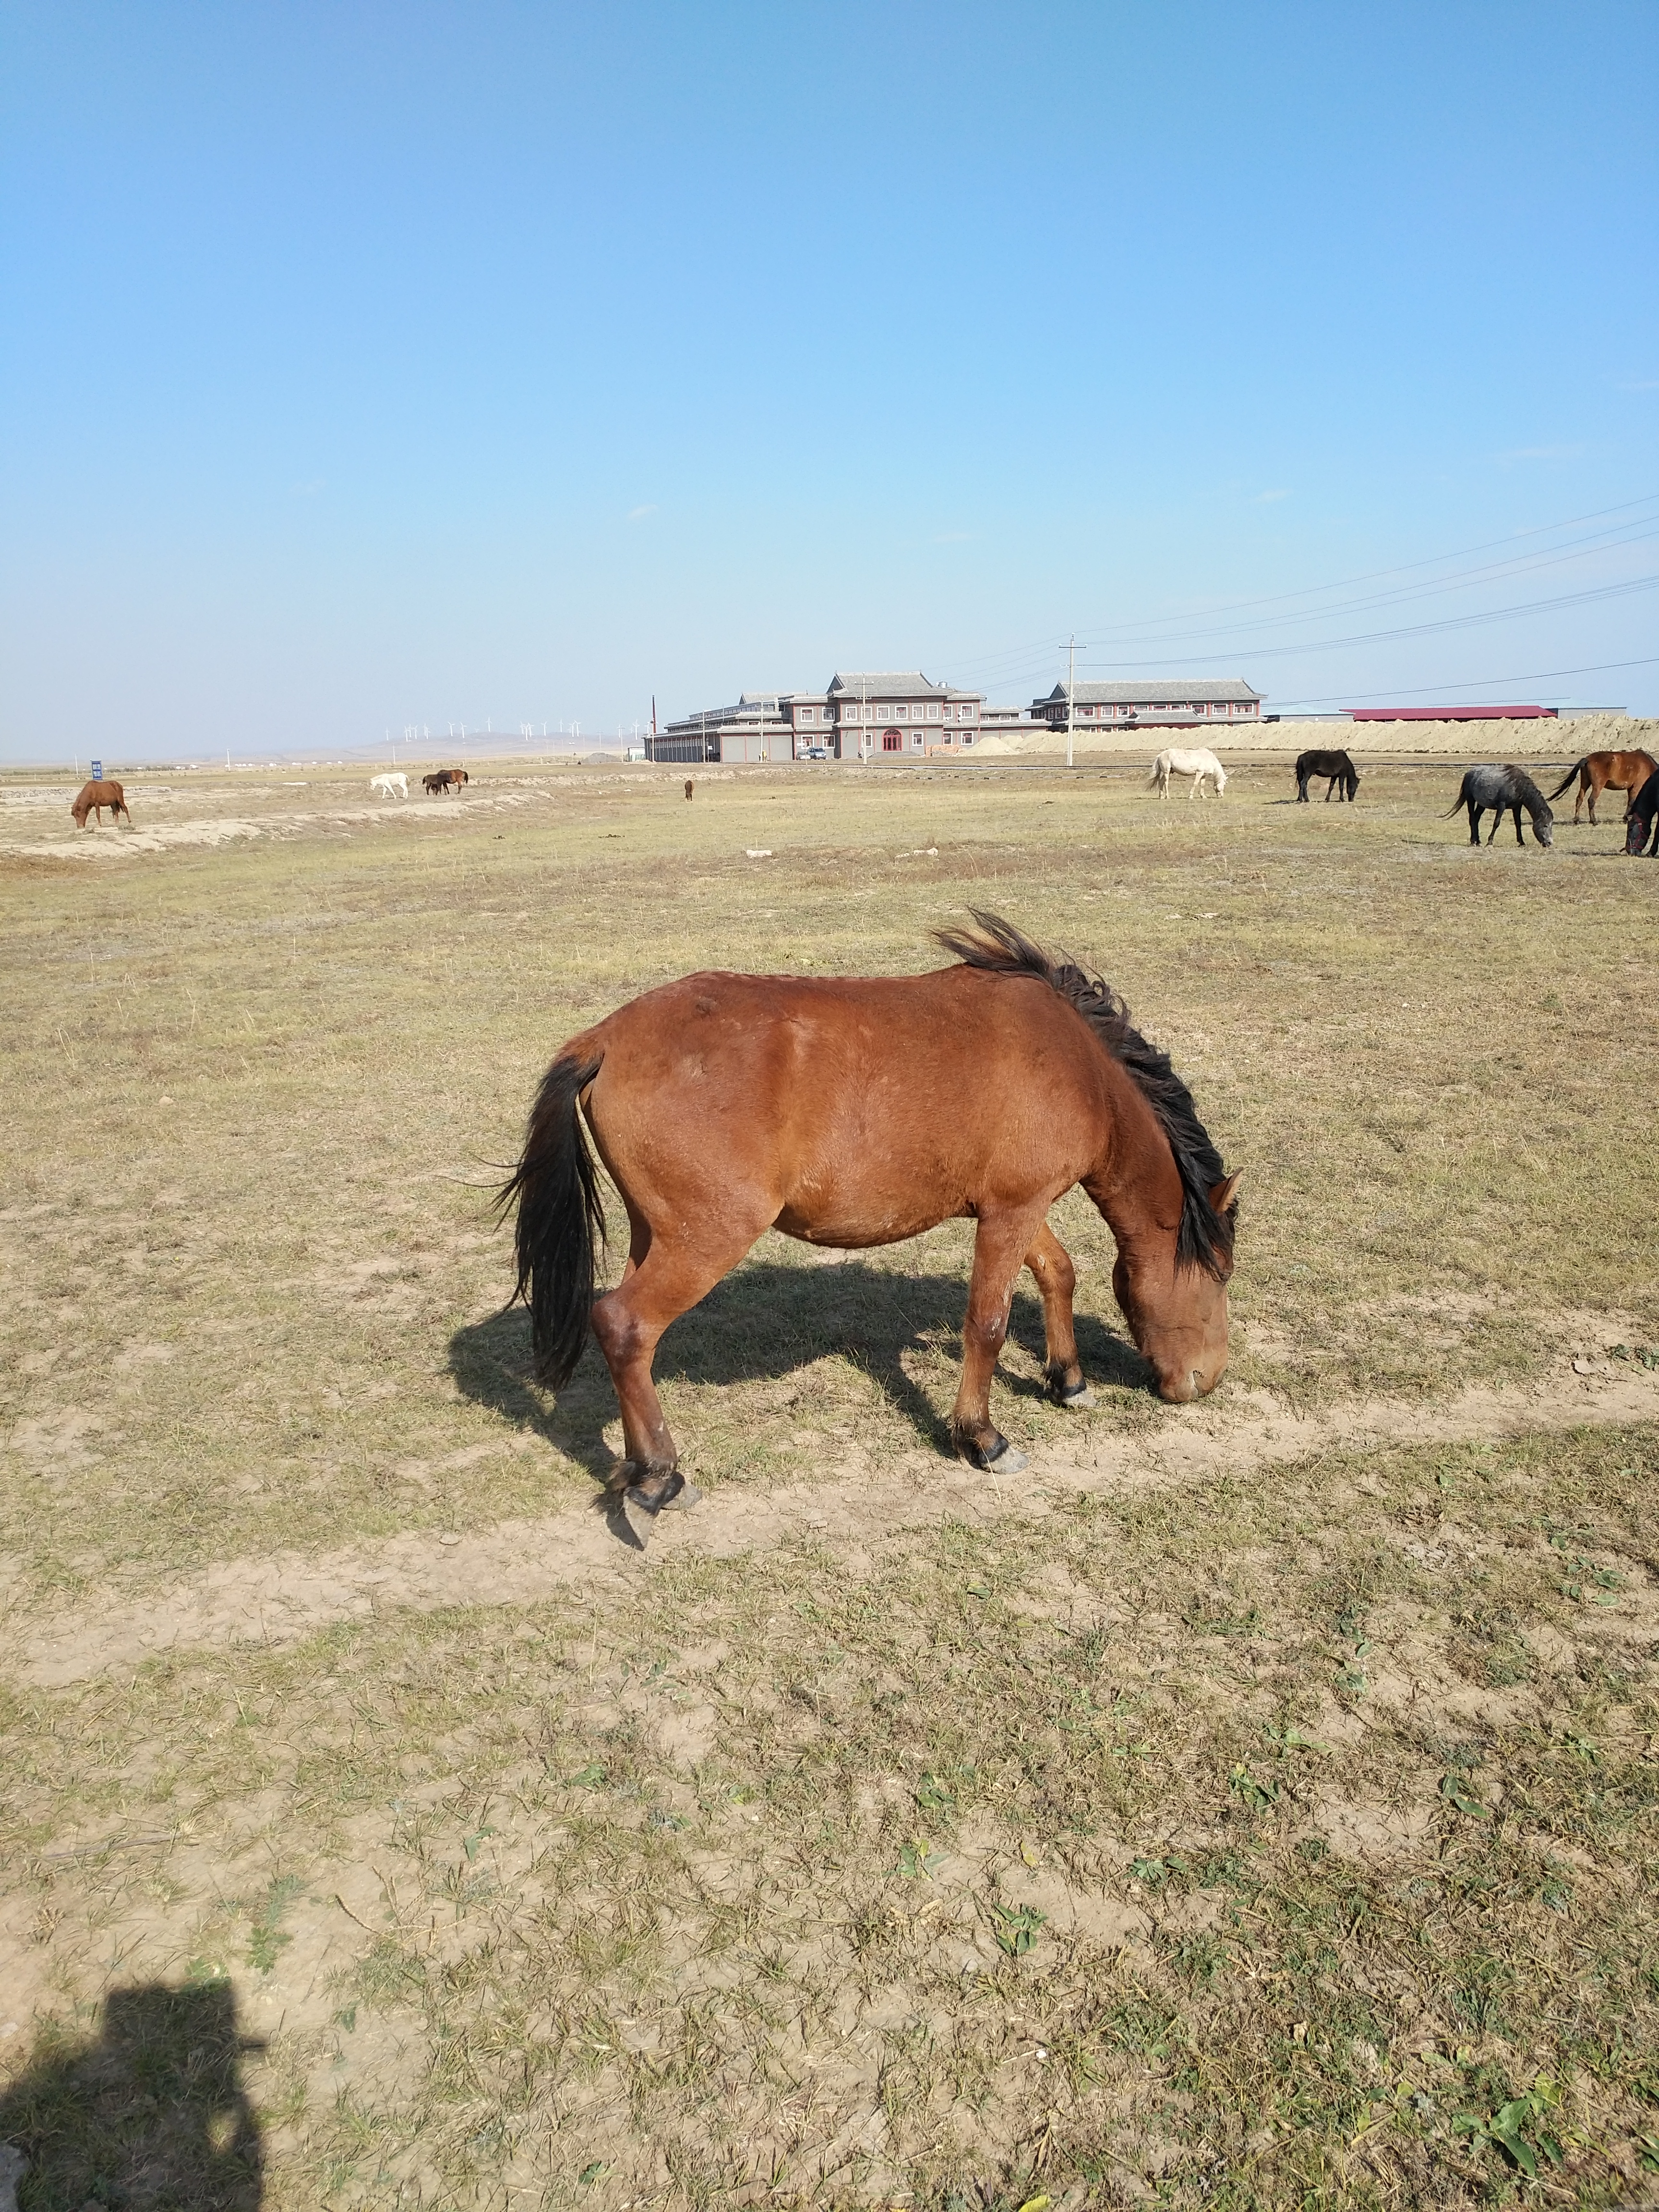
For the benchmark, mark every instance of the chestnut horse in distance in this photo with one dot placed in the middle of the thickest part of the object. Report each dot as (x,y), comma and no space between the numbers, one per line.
(93,797)
(854,1112)
(1626,772)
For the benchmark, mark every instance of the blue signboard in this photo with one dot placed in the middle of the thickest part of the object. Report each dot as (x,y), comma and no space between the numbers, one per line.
(97,771)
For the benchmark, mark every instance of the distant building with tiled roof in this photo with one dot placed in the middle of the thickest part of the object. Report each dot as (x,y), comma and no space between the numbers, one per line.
(861,714)
(1178,700)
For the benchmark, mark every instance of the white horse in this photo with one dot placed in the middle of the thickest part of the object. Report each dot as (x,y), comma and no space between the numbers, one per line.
(388,784)
(1197,765)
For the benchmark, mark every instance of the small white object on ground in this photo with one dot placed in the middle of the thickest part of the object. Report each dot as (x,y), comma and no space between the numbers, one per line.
(759,852)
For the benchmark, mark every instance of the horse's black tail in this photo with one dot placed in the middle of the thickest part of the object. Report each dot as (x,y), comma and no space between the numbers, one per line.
(1577,769)
(560,1225)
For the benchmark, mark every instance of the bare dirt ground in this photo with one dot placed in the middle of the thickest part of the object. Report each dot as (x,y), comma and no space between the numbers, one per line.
(1254,1805)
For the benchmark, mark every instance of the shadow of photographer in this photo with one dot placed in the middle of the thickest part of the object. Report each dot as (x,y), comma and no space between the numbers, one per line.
(151,2112)
(760,1322)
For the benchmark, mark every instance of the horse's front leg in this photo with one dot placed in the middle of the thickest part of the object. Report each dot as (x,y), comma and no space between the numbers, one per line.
(1000,1247)
(1056,1277)
(1519,839)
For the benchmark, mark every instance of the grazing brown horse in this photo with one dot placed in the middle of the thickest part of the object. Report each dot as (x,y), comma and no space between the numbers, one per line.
(855,1112)
(93,797)
(443,781)
(1626,772)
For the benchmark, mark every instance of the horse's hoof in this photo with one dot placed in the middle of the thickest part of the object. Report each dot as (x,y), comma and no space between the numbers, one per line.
(670,1493)
(1080,1400)
(1000,1459)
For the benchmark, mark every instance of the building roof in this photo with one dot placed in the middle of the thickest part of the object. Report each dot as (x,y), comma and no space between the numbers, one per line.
(890,684)
(1167,688)
(752,707)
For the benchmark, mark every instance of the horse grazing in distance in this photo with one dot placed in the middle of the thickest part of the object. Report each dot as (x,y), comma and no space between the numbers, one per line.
(1198,765)
(1335,767)
(1506,791)
(1626,772)
(93,797)
(851,1112)
(1642,818)
(444,780)
(389,783)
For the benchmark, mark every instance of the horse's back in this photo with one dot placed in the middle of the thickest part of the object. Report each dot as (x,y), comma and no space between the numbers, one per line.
(850,1110)
(1193,763)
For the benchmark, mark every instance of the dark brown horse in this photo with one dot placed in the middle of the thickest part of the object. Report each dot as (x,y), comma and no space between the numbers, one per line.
(1644,817)
(1626,772)
(443,781)
(856,1112)
(93,797)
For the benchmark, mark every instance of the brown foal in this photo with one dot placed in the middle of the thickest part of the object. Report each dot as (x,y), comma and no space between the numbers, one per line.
(855,1112)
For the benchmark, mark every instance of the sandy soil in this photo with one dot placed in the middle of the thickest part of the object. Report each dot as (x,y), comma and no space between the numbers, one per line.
(279,1598)
(1565,740)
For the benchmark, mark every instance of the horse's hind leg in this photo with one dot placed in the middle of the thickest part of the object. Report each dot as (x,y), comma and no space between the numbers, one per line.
(661,1283)
(1056,1277)
(1000,1245)
(1595,794)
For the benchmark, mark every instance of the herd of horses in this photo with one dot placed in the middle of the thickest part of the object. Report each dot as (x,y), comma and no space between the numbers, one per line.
(1500,791)
(394,784)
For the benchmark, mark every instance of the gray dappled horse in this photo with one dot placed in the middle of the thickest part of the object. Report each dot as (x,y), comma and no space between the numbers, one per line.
(1506,791)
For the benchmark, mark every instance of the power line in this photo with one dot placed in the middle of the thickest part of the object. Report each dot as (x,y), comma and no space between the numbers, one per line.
(1484,683)
(1411,629)
(1021,655)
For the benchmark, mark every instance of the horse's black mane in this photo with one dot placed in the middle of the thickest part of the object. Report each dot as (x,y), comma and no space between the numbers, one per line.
(1206,1238)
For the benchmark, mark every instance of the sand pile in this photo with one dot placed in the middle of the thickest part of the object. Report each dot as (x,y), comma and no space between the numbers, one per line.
(1562,740)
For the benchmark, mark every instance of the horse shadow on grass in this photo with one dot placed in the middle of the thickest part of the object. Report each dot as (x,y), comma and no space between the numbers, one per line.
(759,1324)
(152,2111)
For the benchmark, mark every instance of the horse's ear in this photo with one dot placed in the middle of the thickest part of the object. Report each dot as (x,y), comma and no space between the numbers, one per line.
(1223,1195)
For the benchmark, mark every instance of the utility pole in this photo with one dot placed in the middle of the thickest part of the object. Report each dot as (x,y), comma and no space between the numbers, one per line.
(1071,691)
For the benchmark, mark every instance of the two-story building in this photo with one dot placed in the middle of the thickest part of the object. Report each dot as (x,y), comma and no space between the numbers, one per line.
(1172,701)
(890,711)
(865,716)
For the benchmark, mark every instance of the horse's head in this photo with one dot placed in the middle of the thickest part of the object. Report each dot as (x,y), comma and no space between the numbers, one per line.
(1635,836)
(1177,1314)
(1543,828)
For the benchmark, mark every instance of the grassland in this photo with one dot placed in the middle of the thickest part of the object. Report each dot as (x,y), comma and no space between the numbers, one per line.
(1257,1807)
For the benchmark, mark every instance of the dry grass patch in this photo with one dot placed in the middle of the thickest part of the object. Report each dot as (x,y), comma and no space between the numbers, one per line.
(1241,1844)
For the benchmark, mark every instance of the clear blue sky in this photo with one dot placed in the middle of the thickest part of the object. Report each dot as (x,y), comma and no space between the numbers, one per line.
(369,365)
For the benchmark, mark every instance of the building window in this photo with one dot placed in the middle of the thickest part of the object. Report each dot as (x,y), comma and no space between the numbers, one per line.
(892,741)
(933,710)
(915,738)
